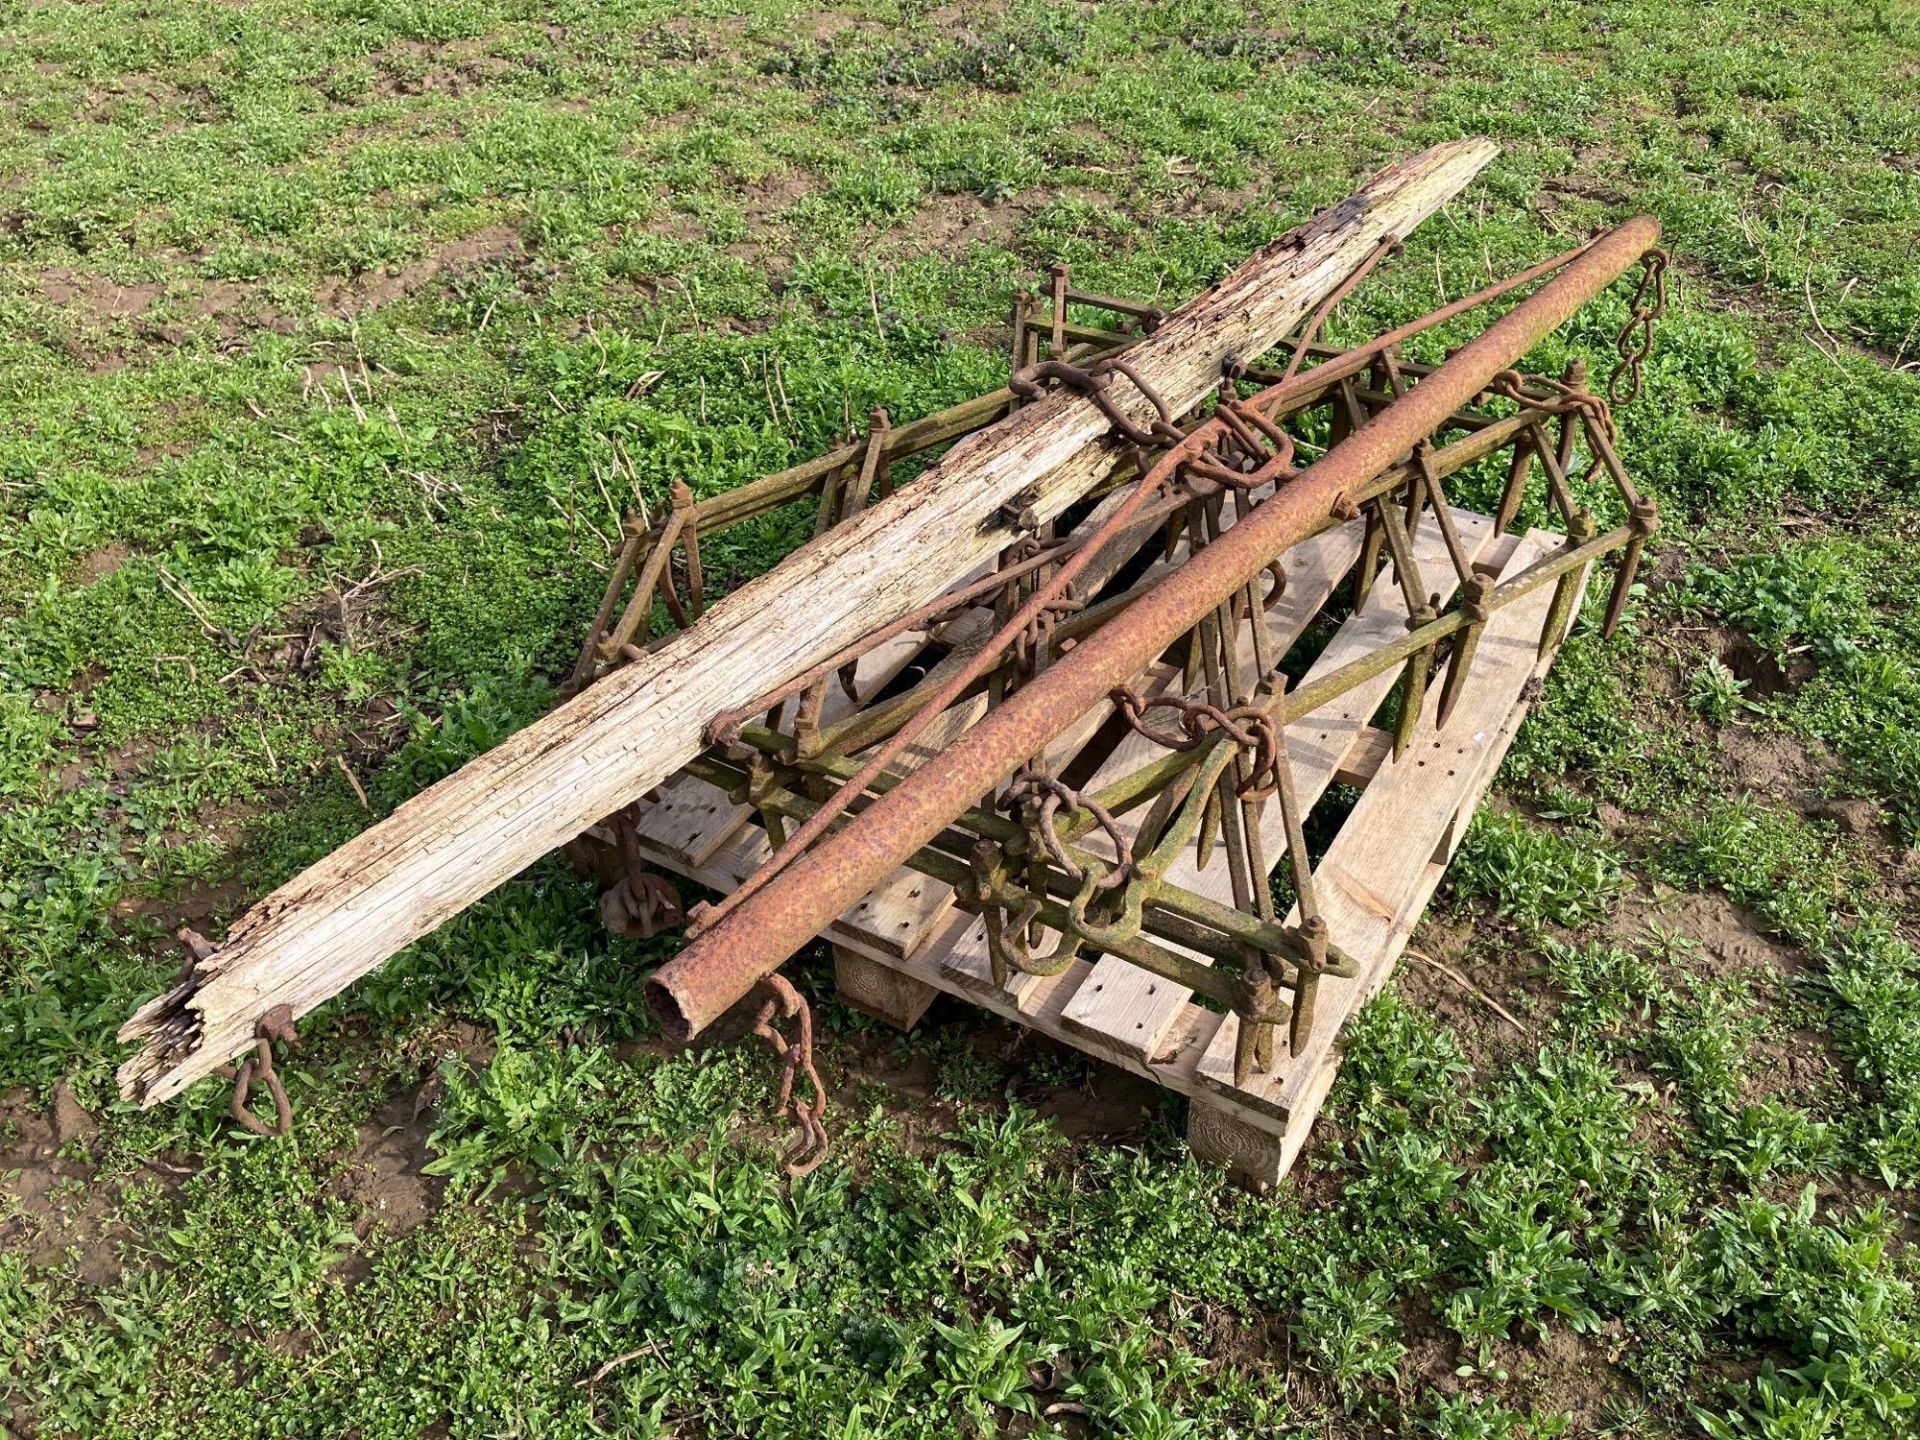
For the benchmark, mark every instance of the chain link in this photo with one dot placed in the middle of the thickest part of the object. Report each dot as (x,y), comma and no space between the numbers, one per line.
(1561,399)
(1036,797)
(1035,642)
(257,1068)
(1251,452)
(1248,726)
(1635,341)
(1092,381)
(642,903)
(809,1145)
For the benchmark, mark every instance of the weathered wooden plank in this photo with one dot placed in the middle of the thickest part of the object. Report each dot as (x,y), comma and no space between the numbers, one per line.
(605,748)
(691,818)
(878,989)
(1370,747)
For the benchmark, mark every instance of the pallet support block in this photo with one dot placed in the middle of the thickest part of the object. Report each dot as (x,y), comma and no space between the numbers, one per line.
(880,990)
(1220,1135)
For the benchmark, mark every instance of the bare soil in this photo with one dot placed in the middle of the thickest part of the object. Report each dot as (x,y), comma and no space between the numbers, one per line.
(347,298)
(52,1208)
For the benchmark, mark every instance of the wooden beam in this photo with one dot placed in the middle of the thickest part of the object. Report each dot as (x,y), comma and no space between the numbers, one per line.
(457,841)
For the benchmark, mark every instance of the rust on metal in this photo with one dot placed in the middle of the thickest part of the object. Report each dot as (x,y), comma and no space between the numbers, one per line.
(809,1145)
(642,902)
(258,1069)
(835,857)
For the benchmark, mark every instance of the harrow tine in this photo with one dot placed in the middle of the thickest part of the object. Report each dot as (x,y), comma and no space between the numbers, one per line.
(1580,529)
(1413,684)
(1367,568)
(1425,486)
(1294,823)
(1256,1005)
(637,619)
(879,434)
(1517,471)
(1017,345)
(1476,591)
(584,667)
(1558,490)
(1574,377)
(1643,522)
(1306,985)
(1442,511)
(856,498)
(1057,340)
(1210,821)
(1406,569)
(690,543)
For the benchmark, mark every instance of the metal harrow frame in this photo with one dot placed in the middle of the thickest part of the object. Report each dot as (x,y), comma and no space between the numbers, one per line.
(1117,891)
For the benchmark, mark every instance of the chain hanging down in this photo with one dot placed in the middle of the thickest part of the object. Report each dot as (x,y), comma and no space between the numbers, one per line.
(1635,342)
(809,1145)
(257,1068)
(642,902)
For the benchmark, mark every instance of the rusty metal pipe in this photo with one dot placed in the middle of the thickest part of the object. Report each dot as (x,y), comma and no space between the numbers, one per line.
(706,979)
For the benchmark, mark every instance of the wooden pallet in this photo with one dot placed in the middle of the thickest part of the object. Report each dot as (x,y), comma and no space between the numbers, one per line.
(907,940)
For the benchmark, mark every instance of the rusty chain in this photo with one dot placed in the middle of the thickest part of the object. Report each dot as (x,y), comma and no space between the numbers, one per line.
(1251,452)
(809,1146)
(1036,797)
(1248,726)
(1092,381)
(1635,341)
(1561,398)
(276,1024)
(641,906)
(1034,643)
(642,903)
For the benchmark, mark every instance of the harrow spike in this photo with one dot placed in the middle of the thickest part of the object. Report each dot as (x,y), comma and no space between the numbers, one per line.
(1580,529)
(1413,684)
(1475,594)
(1645,520)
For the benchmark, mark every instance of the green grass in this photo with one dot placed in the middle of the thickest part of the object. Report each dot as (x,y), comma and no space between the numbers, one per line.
(334,338)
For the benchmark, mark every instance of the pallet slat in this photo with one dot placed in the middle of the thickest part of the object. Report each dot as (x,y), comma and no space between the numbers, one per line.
(690,818)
